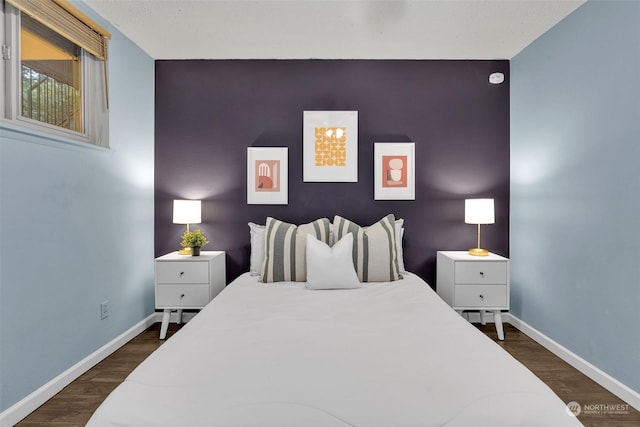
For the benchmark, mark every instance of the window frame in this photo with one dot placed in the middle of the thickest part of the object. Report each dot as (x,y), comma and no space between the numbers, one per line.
(95,115)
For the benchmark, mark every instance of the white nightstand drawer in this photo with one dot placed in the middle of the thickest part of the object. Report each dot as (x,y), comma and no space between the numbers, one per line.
(182,272)
(472,272)
(182,296)
(494,296)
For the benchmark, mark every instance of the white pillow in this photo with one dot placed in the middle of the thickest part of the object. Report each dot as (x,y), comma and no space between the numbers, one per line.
(256,256)
(331,267)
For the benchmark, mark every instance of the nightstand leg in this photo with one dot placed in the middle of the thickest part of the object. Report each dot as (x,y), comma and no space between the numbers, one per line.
(464,314)
(179,317)
(483,320)
(497,319)
(165,323)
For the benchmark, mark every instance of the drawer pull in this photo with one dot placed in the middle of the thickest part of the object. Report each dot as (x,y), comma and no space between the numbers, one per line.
(482,273)
(181,273)
(481,297)
(181,296)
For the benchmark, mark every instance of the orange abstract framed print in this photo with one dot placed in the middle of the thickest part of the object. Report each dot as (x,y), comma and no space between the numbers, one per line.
(267,176)
(330,146)
(394,170)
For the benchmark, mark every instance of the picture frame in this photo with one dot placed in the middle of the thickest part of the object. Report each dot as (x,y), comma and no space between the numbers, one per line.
(394,170)
(330,146)
(267,176)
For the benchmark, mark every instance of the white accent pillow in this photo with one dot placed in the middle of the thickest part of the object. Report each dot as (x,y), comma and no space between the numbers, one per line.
(256,256)
(331,267)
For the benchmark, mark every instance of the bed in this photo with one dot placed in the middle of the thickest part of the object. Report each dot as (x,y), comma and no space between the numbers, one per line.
(279,354)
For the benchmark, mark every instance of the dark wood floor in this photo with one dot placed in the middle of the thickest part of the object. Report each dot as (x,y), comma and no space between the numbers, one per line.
(566,381)
(74,405)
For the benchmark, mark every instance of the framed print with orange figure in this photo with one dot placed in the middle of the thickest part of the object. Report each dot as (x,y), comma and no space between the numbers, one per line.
(267,176)
(330,146)
(394,169)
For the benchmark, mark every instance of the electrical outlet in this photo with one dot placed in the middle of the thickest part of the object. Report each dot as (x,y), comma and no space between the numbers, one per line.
(104,310)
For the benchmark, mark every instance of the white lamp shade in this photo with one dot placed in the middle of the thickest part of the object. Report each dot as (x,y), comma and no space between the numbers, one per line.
(479,211)
(187,211)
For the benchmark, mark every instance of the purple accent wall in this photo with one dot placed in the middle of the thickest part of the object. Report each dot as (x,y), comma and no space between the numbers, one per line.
(209,112)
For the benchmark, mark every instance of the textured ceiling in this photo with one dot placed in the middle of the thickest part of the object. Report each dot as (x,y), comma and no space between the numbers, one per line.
(333,29)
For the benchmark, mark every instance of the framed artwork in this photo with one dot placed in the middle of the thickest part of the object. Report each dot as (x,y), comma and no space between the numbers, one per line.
(394,168)
(330,146)
(267,176)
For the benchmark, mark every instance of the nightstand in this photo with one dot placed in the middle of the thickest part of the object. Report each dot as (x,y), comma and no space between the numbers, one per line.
(468,282)
(187,282)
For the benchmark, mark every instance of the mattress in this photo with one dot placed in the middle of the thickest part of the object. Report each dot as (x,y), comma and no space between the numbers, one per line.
(278,354)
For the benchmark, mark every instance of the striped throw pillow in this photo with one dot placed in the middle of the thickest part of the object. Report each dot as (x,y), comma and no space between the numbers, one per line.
(374,248)
(285,249)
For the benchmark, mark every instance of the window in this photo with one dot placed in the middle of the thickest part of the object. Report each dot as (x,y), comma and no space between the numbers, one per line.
(56,79)
(51,68)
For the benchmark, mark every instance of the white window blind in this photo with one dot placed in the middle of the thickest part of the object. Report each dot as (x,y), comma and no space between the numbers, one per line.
(63,18)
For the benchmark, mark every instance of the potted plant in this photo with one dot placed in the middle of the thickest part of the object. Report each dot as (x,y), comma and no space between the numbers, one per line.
(194,240)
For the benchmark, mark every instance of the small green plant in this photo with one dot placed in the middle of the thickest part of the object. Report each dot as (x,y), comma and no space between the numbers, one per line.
(193,238)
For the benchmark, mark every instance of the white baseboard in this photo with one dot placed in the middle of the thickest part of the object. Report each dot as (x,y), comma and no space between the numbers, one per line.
(605,380)
(30,403)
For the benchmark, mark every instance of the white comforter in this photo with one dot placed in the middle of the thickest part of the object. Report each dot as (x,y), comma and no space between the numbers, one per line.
(387,354)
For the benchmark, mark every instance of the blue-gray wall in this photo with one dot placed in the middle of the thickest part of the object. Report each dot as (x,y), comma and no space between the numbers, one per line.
(575,186)
(76,227)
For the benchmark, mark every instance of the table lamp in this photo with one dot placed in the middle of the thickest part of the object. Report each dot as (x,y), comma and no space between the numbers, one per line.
(479,211)
(187,212)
